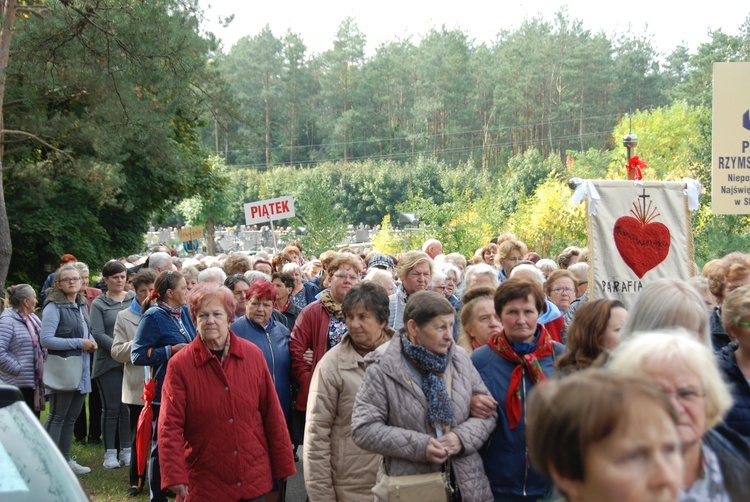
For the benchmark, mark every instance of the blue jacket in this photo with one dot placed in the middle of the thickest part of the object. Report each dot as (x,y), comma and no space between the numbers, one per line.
(159,330)
(505,460)
(719,336)
(738,417)
(274,343)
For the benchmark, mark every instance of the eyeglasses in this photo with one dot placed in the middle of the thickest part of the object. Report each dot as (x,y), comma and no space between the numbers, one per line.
(343,277)
(560,291)
(70,280)
(687,395)
(743,323)
(441,288)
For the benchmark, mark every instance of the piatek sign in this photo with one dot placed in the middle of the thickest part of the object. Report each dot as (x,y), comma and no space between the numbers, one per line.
(263,211)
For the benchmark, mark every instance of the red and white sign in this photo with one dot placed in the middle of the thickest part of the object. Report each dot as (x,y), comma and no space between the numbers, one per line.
(267,210)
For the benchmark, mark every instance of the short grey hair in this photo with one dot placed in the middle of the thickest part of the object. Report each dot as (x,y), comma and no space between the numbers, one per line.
(481,269)
(538,274)
(212,274)
(158,260)
(668,303)
(650,350)
(254,275)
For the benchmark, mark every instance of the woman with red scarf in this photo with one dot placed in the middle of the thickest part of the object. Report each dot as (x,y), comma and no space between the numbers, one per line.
(515,359)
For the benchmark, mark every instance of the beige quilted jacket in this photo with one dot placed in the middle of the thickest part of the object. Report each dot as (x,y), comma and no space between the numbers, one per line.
(390,418)
(335,468)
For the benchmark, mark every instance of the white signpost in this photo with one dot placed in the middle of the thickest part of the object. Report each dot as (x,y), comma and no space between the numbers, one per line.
(263,211)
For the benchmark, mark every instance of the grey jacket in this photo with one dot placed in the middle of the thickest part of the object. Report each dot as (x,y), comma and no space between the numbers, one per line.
(104,312)
(17,352)
(390,418)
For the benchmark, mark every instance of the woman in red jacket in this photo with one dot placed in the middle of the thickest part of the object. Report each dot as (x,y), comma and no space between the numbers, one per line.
(222,433)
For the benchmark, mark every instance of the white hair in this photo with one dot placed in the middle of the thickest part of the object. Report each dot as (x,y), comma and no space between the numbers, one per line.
(212,274)
(159,260)
(538,274)
(481,269)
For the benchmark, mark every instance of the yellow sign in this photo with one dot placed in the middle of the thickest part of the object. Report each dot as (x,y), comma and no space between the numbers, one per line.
(190,233)
(730,169)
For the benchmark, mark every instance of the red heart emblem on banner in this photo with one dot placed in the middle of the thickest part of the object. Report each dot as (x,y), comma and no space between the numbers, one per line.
(642,245)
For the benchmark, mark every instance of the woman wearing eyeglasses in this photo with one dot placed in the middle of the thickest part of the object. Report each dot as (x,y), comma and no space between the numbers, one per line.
(320,327)
(716,459)
(561,287)
(164,330)
(66,332)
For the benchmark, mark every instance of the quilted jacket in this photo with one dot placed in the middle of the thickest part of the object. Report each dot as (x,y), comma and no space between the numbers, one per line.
(738,418)
(221,428)
(310,332)
(390,418)
(335,468)
(16,349)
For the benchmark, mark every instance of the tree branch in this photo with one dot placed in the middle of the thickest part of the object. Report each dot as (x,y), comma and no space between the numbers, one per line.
(40,140)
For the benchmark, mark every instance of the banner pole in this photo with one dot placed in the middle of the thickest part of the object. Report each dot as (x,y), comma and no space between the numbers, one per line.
(273,233)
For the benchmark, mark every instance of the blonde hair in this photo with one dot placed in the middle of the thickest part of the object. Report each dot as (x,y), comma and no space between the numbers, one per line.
(651,350)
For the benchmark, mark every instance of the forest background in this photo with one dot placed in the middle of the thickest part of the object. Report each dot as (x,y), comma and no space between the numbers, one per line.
(119,114)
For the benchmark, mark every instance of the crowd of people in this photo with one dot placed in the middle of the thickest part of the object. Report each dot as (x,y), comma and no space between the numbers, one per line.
(489,378)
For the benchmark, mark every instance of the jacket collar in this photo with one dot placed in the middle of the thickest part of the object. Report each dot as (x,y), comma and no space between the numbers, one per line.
(201,354)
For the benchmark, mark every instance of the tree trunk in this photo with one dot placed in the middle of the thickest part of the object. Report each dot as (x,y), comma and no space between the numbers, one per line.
(210,242)
(6,34)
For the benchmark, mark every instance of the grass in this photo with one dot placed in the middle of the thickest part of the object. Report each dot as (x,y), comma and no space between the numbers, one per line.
(102,485)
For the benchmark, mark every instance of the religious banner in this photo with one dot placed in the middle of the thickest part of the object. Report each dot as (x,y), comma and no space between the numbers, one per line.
(639,231)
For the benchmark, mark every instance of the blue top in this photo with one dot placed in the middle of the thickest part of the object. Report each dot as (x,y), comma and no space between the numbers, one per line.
(158,330)
(505,460)
(273,341)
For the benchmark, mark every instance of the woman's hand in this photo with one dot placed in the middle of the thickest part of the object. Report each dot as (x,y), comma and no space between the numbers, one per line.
(436,453)
(482,406)
(308,356)
(176,348)
(180,490)
(89,345)
(451,444)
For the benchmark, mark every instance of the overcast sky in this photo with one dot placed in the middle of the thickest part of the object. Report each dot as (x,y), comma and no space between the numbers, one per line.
(669,23)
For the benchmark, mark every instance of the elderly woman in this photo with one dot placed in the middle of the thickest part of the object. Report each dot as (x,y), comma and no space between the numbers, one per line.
(271,337)
(561,287)
(335,468)
(570,256)
(415,271)
(437,283)
(382,277)
(279,260)
(126,325)
(481,275)
(222,432)
(605,437)
(165,329)
(668,303)
(320,327)
(21,353)
(509,254)
(452,283)
(66,332)
(430,382)
(724,276)
(513,361)
(550,317)
(547,266)
(284,284)
(734,359)
(479,322)
(304,292)
(717,465)
(595,330)
(107,372)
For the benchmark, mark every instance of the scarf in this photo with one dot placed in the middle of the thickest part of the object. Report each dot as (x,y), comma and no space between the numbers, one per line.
(528,361)
(177,312)
(34,329)
(363,350)
(331,305)
(431,366)
(286,306)
(224,352)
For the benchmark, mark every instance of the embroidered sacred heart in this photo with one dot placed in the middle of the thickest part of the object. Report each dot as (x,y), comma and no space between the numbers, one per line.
(643,244)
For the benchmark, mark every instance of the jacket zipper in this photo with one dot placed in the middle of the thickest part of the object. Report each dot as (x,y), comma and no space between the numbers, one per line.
(526,448)
(273,359)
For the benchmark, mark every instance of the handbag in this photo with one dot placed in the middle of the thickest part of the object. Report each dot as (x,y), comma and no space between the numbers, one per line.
(62,373)
(435,486)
